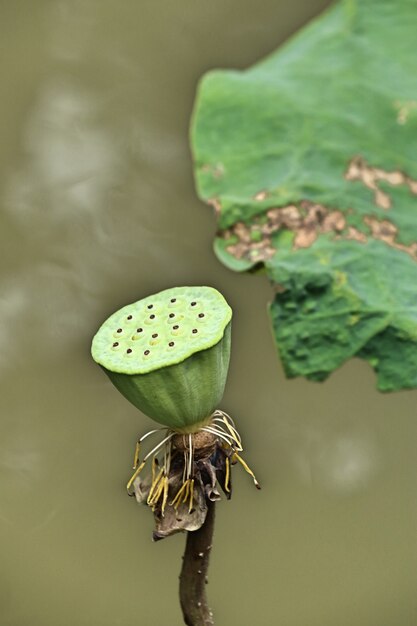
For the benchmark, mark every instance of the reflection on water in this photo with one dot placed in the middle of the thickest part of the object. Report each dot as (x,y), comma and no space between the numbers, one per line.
(338,462)
(98,209)
(71,161)
(70,164)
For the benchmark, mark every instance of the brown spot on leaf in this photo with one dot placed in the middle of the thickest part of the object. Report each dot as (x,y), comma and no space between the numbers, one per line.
(215,169)
(404,109)
(214,202)
(238,250)
(355,234)
(290,217)
(334,221)
(386,231)
(243,232)
(382,199)
(308,220)
(305,237)
(359,170)
(412,184)
(261,195)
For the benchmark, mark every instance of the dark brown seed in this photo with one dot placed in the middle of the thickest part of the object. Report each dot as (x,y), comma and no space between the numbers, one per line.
(129,350)
(155,335)
(146,352)
(150,306)
(171,343)
(193,303)
(129,317)
(173,299)
(119,330)
(172,315)
(152,317)
(116,343)
(201,315)
(195,330)
(176,327)
(139,330)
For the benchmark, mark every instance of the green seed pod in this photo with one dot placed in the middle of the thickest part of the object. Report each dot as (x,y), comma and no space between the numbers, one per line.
(169,354)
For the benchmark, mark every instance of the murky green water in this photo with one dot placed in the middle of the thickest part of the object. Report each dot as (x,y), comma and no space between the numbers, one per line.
(98,209)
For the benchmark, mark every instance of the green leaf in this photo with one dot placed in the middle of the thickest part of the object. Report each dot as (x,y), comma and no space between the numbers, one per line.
(309,158)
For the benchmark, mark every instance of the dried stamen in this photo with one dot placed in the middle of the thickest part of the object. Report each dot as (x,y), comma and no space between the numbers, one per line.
(197,464)
(247,468)
(227,477)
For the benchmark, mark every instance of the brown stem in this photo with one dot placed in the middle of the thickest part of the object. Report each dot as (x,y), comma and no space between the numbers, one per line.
(193,577)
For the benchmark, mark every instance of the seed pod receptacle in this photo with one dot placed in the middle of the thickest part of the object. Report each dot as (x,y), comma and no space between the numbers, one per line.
(169,354)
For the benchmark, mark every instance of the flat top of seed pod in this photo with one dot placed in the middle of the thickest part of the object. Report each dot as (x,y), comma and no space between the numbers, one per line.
(161,330)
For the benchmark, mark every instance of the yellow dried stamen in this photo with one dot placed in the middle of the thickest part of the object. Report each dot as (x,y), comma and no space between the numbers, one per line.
(165,498)
(247,468)
(136,457)
(184,494)
(154,464)
(227,478)
(153,501)
(187,491)
(179,497)
(155,483)
(191,495)
(227,437)
(135,475)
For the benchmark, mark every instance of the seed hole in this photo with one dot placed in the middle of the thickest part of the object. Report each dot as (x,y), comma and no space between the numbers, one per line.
(129,317)
(193,303)
(172,315)
(155,335)
(139,330)
(150,306)
(129,350)
(201,315)
(176,327)
(120,330)
(116,343)
(146,352)
(173,300)
(171,343)
(195,331)
(152,317)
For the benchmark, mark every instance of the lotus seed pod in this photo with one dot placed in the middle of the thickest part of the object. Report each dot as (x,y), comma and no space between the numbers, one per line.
(168,354)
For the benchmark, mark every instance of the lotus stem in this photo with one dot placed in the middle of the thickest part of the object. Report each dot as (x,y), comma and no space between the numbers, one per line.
(193,577)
